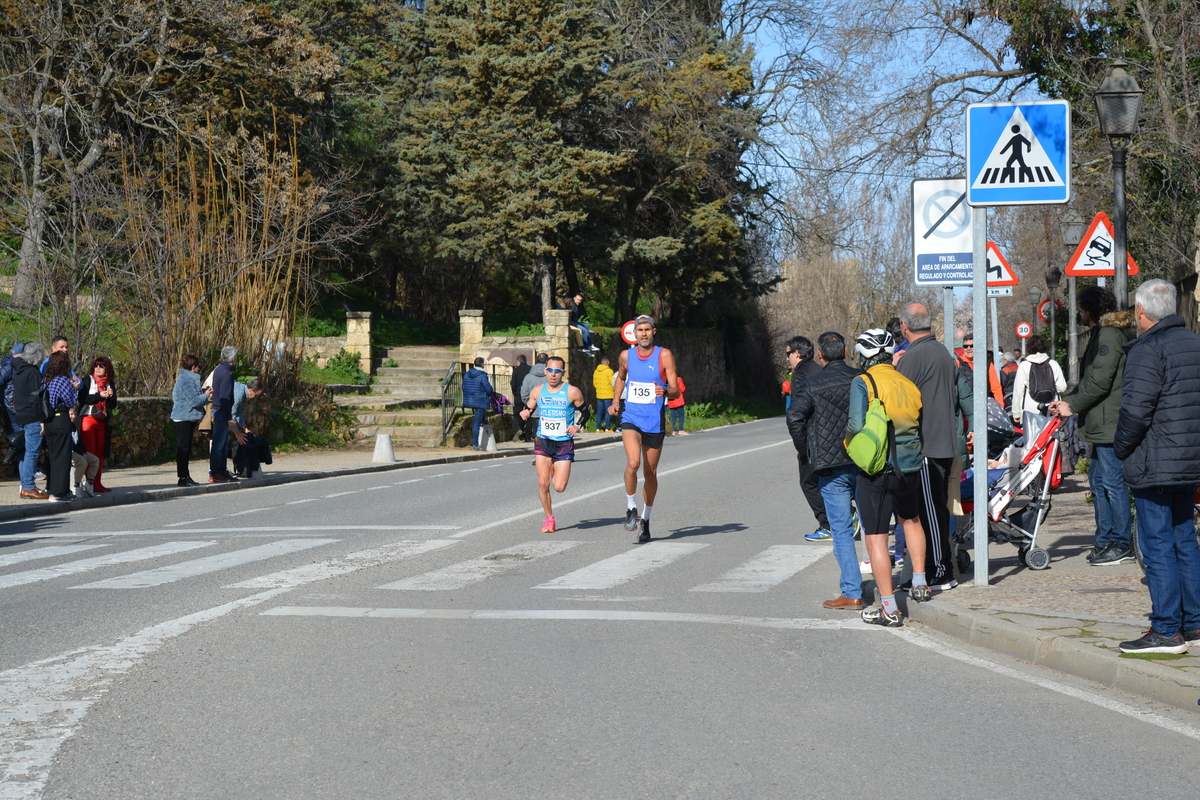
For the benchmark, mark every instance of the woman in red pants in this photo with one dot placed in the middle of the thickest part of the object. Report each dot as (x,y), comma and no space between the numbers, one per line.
(97,398)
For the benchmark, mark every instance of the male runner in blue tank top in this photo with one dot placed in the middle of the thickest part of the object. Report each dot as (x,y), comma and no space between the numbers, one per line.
(556,402)
(648,373)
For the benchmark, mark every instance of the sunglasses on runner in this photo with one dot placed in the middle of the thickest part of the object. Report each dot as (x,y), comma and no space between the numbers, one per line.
(555,371)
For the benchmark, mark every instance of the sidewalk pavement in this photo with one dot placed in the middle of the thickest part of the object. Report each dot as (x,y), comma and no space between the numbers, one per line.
(1070,617)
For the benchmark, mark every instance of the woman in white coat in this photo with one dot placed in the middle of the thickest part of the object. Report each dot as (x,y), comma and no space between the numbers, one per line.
(1022,399)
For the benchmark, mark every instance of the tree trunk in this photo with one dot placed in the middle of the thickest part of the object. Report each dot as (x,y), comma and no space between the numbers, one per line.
(621,307)
(32,258)
(568,265)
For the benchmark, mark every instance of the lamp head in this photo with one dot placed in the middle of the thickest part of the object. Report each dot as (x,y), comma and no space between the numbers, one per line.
(1118,104)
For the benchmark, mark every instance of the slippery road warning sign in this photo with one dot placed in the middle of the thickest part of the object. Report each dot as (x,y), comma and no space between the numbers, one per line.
(1094,255)
(1019,153)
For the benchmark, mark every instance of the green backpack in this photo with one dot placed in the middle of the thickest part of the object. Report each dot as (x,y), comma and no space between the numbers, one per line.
(868,448)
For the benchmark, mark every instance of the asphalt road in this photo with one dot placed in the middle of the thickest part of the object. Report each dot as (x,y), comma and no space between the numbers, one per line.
(413,634)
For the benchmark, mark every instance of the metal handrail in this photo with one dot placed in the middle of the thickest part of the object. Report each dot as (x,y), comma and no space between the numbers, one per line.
(451,396)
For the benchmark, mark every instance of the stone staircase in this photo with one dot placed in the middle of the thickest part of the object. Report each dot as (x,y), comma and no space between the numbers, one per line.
(404,401)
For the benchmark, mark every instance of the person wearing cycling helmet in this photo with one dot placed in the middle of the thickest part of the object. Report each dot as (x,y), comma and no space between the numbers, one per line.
(898,482)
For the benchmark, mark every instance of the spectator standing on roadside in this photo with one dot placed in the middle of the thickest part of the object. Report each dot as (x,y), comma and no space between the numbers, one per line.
(222,417)
(246,460)
(799,352)
(63,396)
(536,377)
(187,409)
(1158,439)
(602,383)
(930,366)
(1039,380)
(85,463)
(966,365)
(27,381)
(819,416)
(6,376)
(98,399)
(518,376)
(1097,401)
(477,395)
(676,410)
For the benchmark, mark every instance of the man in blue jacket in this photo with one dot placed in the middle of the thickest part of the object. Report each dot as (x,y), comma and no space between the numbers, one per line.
(1158,439)
(222,416)
(477,395)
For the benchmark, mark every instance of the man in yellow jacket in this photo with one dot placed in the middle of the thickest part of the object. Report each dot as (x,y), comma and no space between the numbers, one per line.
(602,380)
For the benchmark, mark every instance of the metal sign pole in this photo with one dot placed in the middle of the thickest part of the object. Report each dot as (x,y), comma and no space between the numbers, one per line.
(979,397)
(948,318)
(995,335)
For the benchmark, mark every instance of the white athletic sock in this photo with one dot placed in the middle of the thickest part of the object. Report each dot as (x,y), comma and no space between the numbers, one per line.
(631,501)
(646,512)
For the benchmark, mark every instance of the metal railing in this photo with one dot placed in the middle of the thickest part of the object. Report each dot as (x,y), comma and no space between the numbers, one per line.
(451,396)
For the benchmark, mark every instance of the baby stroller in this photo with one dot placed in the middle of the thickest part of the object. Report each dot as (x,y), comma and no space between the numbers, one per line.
(1037,474)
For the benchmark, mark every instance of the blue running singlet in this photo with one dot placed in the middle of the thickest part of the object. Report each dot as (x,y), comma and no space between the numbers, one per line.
(643,408)
(555,412)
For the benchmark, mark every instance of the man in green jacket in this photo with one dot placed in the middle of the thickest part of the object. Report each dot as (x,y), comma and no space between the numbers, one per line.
(1097,401)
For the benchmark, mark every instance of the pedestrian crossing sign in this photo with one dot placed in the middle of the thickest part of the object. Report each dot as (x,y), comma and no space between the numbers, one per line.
(1018,153)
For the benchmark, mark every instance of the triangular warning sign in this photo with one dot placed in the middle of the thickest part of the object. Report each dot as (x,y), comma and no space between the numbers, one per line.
(999,273)
(1094,255)
(1017,159)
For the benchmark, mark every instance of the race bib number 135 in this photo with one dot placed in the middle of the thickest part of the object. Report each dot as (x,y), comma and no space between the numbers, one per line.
(641,393)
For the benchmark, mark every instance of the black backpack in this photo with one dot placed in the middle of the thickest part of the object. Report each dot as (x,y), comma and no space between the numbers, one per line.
(1041,383)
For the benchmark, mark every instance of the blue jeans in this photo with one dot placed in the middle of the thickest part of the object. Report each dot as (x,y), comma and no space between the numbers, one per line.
(33,443)
(1110,498)
(677,417)
(1167,535)
(604,419)
(837,490)
(220,445)
(585,333)
(476,424)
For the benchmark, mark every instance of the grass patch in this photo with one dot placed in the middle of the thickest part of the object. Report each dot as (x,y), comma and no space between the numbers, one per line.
(1155,656)
(342,368)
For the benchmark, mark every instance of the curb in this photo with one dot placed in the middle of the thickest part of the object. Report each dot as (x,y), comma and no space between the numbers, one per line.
(1136,676)
(45,508)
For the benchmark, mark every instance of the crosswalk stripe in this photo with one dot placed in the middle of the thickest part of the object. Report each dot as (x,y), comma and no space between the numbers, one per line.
(770,567)
(342,565)
(45,552)
(200,566)
(623,567)
(86,564)
(456,576)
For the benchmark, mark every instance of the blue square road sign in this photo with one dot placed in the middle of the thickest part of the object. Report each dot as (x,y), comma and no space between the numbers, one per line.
(1019,153)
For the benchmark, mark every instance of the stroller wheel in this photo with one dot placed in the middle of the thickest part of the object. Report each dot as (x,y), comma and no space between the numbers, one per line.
(962,560)
(1037,558)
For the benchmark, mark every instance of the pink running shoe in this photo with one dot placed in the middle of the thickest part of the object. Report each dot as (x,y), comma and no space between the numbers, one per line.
(548,525)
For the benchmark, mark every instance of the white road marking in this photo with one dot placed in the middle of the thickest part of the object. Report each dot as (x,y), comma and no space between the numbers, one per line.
(473,469)
(189,522)
(375,488)
(414,480)
(261,529)
(201,566)
(42,703)
(599,598)
(298,502)
(250,511)
(921,640)
(46,552)
(558,503)
(342,565)
(769,568)
(465,573)
(342,494)
(624,567)
(570,614)
(87,564)
(441,475)
(493,466)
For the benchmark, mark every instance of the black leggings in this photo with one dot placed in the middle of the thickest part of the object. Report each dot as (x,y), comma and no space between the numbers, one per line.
(184,431)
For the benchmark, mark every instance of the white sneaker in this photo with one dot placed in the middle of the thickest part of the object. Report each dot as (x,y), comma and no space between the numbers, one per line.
(864,567)
(39,476)
(86,487)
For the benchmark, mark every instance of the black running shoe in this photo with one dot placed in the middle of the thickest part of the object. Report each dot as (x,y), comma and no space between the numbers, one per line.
(1155,642)
(631,519)
(920,594)
(1112,555)
(1191,637)
(877,616)
(645,536)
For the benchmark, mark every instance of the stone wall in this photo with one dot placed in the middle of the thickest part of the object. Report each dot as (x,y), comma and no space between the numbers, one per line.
(322,348)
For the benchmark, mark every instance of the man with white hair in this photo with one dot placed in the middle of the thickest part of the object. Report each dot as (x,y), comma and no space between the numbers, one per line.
(1158,439)
(222,417)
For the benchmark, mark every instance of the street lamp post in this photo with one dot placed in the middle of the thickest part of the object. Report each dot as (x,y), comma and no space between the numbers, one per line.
(1118,104)
(1072,227)
(1035,297)
(1053,277)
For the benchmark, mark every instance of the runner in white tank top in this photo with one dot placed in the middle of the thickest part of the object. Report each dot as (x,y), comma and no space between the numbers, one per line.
(642,429)
(553,448)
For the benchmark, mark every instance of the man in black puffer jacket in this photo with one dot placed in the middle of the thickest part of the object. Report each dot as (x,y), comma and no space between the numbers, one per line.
(818,419)
(1158,438)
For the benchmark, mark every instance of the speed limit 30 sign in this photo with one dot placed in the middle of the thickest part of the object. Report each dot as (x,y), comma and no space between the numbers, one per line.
(1024,330)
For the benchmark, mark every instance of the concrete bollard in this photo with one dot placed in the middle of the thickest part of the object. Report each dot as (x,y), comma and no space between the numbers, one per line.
(487,439)
(383,448)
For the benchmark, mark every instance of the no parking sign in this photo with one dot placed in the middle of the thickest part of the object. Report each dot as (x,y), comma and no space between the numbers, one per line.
(627,332)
